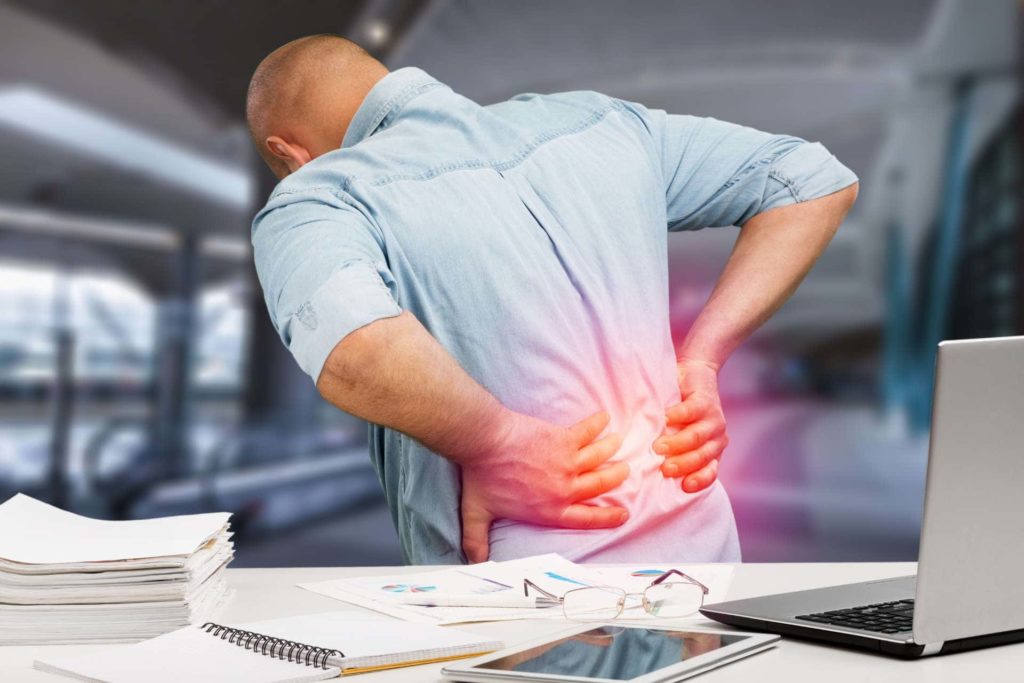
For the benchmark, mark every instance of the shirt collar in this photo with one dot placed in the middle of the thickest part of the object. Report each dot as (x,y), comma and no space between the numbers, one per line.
(385,99)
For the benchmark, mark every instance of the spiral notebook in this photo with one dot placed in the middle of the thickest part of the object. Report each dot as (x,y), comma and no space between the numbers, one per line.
(293,650)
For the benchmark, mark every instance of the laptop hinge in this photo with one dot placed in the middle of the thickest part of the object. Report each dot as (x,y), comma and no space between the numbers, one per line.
(931,649)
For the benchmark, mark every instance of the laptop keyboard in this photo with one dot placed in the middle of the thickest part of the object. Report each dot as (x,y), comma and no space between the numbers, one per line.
(882,617)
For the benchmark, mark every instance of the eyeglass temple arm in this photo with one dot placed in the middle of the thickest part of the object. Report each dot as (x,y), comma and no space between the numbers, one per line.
(527,585)
(689,578)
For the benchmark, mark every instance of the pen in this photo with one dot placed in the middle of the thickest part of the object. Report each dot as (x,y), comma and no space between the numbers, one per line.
(475,600)
(499,584)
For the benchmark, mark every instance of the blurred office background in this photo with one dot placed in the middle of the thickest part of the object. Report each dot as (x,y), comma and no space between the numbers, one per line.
(139,374)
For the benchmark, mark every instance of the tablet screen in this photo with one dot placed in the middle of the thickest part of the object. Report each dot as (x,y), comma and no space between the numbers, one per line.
(615,653)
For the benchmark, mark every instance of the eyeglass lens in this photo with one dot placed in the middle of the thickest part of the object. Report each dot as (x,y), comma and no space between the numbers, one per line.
(600,603)
(673,599)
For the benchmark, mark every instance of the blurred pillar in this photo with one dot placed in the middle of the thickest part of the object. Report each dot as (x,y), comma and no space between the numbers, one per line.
(1018,123)
(896,356)
(175,335)
(946,260)
(63,394)
(1019,216)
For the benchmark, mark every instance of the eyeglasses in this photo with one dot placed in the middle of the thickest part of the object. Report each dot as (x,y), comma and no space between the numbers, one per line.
(663,598)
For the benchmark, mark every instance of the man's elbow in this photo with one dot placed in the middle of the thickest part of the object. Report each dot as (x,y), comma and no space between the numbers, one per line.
(358,356)
(330,383)
(338,376)
(839,204)
(848,195)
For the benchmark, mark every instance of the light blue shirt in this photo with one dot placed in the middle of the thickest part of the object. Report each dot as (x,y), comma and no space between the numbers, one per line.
(529,237)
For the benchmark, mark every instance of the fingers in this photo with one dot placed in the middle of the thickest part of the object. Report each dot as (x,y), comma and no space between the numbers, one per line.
(592,456)
(588,429)
(592,517)
(688,463)
(694,407)
(698,644)
(688,439)
(596,482)
(701,479)
(476,529)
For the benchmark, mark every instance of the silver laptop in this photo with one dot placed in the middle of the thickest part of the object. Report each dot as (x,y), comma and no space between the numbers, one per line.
(968,592)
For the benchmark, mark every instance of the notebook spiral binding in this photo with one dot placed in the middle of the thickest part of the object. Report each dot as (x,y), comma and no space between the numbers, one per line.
(300,653)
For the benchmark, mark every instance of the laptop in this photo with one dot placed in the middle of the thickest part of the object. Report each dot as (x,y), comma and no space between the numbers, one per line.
(968,591)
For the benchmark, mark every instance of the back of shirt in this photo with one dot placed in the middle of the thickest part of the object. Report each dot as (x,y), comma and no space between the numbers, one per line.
(530,239)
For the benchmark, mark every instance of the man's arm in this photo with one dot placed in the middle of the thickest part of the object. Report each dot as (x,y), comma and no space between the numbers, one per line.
(790,196)
(394,373)
(774,252)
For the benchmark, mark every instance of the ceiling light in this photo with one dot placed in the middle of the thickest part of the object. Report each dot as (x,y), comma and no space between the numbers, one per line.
(58,120)
(377,32)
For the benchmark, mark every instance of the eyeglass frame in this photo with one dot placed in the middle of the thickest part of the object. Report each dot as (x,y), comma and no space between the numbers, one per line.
(549,599)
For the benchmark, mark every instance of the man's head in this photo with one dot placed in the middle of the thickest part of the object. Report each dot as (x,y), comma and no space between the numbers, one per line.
(303,96)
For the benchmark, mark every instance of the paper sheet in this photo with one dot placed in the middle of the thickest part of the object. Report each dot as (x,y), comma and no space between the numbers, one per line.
(32,532)
(551,572)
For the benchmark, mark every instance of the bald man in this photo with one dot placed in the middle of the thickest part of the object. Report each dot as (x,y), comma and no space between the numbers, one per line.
(488,287)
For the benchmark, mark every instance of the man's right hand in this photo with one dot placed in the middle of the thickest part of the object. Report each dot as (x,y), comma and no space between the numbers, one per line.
(540,473)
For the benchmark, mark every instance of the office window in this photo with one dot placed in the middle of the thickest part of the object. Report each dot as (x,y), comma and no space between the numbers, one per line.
(27,348)
(114,323)
(219,355)
(110,320)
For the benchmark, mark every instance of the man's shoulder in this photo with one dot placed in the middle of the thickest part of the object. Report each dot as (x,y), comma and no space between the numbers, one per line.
(305,184)
(422,147)
(316,186)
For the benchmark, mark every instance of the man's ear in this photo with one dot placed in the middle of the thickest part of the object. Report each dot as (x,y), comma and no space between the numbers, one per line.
(293,156)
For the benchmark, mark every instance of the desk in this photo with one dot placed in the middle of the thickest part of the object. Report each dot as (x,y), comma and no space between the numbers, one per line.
(270,593)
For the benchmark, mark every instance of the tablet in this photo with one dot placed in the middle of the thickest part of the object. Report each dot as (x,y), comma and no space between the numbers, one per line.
(614,654)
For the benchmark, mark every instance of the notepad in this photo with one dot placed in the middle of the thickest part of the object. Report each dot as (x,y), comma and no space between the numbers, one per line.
(295,649)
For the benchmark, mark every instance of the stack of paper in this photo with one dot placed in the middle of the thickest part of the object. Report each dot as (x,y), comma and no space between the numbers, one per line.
(409,595)
(71,579)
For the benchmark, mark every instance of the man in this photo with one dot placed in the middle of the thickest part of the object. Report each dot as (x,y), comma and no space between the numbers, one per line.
(488,287)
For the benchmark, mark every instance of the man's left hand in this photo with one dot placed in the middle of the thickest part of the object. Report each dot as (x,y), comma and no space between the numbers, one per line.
(694,435)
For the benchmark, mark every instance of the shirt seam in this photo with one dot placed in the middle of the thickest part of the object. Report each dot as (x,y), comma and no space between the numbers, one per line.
(346,182)
(768,160)
(790,184)
(585,124)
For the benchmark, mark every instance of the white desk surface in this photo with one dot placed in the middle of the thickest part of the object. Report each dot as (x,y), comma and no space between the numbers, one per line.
(270,593)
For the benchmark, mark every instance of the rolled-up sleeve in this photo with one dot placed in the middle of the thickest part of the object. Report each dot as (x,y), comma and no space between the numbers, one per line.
(322,267)
(718,174)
